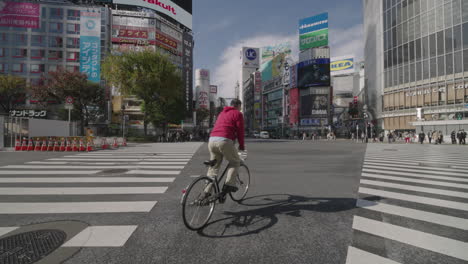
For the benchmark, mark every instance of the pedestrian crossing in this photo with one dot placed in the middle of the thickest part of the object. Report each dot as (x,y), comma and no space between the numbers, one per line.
(412,206)
(94,184)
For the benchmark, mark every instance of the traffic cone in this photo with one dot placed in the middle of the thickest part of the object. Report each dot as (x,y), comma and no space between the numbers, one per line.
(69,146)
(104,143)
(31,145)
(56,145)
(115,144)
(18,144)
(38,145)
(44,145)
(124,142)
(90,145)
(74,146)
(82,147)
(24,146)
(50,146)
(62,145)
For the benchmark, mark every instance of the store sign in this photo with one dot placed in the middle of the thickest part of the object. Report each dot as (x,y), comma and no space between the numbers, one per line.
(250,57)
(313,31)
(166,7)
(187,64)
(293,105)
(313,23)
(166,40)
(22,15)
(131,33)
(213,89)
(90,44)
(203,99)
(342,65)
(28,113)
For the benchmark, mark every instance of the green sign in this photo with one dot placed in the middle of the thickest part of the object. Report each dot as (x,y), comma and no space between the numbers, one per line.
(313,39)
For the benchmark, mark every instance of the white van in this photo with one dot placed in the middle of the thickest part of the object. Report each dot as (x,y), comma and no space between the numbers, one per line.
(264,134)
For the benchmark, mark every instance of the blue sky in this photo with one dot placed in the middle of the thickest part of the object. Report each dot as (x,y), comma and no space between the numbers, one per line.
(221,27)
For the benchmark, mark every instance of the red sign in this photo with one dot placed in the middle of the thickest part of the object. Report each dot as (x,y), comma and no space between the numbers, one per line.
(23,15)
(69,100)
(294,106)
(258,82)
(355,100)
(132,33)
(203,100)
(166,40)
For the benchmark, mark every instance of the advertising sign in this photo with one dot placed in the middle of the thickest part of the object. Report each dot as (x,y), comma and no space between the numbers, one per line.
(28,113)
(313,73)
(258,83)
(132,33)
(166,40)
(342,65)
(213,89)
(269,52)
(293,76)
(314,104)
(203,99)
(187,63)
(250,57)
(313,31)
(166,7)
(293,106)
(90,44)
(314,122)
(22,15)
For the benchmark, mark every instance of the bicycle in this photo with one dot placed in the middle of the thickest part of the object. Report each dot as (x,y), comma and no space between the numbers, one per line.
(204,192)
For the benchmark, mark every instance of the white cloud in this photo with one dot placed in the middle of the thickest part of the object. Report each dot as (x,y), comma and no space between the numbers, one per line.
(226,75)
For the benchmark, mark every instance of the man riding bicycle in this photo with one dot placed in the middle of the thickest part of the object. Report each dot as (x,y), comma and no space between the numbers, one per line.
(229,126)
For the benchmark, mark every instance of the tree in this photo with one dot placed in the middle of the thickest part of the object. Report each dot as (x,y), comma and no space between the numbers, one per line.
(164,112)
(151,77)
(202,115)
(89,102)
(12,92)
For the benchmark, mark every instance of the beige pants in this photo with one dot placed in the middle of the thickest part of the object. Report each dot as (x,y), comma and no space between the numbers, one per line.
(225,149)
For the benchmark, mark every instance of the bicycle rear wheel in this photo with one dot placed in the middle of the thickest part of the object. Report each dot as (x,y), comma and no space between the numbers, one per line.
(198,205)
(242,182)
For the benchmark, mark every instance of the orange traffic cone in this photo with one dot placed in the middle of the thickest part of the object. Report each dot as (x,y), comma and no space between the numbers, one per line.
(24,146)
(115,144)
(31,145)
(74,146)
(62,145)
(104,143)
(90,145)
(56,146)
(124,142)
(38,145)
(69,146)
(44,145)
(18,144)
(82,147)
(50,146)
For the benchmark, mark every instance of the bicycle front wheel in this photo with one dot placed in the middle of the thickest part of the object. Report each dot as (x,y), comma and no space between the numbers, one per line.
(242,182)
(198,203)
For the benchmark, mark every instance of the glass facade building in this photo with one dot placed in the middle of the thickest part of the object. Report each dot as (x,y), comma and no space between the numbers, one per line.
(420,52)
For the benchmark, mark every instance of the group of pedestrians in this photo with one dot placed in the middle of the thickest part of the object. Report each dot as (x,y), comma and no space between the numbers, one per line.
(176,136)
(460,135)
(432,136)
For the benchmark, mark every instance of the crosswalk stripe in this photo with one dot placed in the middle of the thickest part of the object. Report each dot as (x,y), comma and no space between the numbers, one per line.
(419,160)
(84,179)
(80,190)
(101,236)
(406,179)
(163,163)
(89,167)
(442,245)
(137,153)
(51,172)
(415,175)
(415,188)
(76,207)
(48,162)
(416,170)
(439,219)
(357,256)
(153,172)
(411,162)
(65,162)
(110,159)
(412,166)
(415,198)
(130,157)
(6,230)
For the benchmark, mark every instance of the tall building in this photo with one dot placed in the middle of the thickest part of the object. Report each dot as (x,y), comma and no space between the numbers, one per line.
(416,61)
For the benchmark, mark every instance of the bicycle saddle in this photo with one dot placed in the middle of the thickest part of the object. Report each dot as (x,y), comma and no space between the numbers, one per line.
(210,163)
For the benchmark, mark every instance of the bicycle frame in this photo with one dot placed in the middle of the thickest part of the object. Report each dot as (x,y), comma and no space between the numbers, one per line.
(217,181)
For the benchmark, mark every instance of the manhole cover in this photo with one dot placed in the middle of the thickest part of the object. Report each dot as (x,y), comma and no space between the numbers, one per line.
(115,171)
(30,247)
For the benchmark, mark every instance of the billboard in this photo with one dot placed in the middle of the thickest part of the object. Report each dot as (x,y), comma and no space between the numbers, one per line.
(293,106)
(314,105)
(213,89)
(313,73)
(90,44)
(342,65)
(293,76)
(187,64)
(269,52)
(313,31)
(166,7)
(250,57)
(203,99)
(276,61)
(22,15)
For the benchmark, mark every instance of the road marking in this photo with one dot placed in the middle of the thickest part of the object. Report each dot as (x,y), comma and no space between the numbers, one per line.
(23,172)
(442,245)
(163,163)
(357,256)
(76,207)
(6,230)
(416,170)
(83,179)
(132,157)
(406,179)
(423,168)
(89,167)
(194,176)
(416,175)
(110,159)
(419,160)
(415,188)
(415,199)
(101,236)
(438,219)
(48,162)
(80,190)
(152,172)
(136,154)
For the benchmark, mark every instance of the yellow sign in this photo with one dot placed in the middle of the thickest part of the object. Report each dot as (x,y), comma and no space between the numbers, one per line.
(342,65)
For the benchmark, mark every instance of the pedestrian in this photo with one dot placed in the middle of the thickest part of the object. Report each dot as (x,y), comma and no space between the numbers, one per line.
(453,136)
(435,137)
(429,136)
(421,137)
(441,137)
(389,137)
(407,137)
(463,137)
(304,135)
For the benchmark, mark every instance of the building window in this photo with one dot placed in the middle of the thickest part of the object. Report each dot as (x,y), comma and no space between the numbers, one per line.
(20,53)
(42,28)
(55,42)
(54,68)
(2,67)
(37,68)
(17,67)
(55,27)
(37,54)
(458,62)
(73,42)
(2,52)
(56,13)
(73,28)
(73,14)
(37,41)
(55,55)
(73,68)
(73,56)
(4,37)
(20,39)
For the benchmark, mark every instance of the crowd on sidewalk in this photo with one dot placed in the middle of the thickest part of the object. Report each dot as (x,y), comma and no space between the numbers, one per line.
(431,137)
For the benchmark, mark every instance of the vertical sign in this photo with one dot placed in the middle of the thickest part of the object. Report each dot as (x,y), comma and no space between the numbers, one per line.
(257,99)
(187,63)
(90,44)
(313,31)
(293,106)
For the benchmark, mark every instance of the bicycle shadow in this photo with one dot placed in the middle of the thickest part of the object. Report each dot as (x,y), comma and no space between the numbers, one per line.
(255,220)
